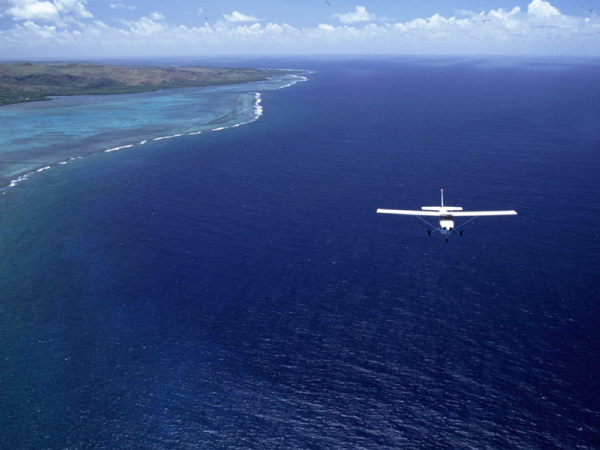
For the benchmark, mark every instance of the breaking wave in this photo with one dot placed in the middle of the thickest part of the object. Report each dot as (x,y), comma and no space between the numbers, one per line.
(257,113)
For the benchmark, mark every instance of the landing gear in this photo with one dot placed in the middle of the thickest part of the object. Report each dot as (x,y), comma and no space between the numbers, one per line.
(428,232)
(446,240)
(461,232)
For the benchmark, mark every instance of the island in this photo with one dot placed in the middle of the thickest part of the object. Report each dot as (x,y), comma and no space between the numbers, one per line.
(28,82)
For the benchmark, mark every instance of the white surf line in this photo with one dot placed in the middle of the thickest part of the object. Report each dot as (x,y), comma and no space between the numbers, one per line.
(16,181)
(24,177)
(118,148)
(258,112)
(300,79)
(165,137)
(258,109)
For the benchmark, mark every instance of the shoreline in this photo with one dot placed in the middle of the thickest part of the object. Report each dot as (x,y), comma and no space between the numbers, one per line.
(60,157)
(25,82)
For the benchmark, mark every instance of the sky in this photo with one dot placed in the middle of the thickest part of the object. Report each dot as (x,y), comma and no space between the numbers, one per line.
(147,28)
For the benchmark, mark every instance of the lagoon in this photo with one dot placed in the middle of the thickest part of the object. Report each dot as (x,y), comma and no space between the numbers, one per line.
(43,135)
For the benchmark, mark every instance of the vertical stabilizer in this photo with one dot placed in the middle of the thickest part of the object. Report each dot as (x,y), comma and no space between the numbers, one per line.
(442,198)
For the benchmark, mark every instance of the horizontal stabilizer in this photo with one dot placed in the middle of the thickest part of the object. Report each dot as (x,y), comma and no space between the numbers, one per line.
(408,213)
(484,213)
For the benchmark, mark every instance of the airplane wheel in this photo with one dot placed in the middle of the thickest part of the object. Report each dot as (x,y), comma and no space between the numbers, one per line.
(446,240)
(461,233)
(428,232)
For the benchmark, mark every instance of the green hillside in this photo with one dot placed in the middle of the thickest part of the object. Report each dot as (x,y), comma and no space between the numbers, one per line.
(26,82)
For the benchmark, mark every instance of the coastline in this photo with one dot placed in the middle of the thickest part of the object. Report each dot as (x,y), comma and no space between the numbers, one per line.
(28,82)
(75,127)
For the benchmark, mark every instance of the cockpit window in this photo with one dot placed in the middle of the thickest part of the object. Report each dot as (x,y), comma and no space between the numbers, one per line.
(446,218)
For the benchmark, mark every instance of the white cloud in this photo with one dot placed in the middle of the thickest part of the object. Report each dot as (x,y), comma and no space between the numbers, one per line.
(58,11)
(237,16)
(325,27)
(360,15)
(148,27)
(541,29)
(43,11)
(542,9)
(43,31)
(157,16)
(74,7)
(120,6)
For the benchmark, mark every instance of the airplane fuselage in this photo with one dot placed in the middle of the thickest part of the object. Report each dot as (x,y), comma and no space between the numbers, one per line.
(446,223)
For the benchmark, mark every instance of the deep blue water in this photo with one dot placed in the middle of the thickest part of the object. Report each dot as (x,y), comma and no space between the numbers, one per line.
(237,289)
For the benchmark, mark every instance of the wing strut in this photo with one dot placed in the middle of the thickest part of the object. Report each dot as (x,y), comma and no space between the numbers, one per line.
(432,226)
(463,224)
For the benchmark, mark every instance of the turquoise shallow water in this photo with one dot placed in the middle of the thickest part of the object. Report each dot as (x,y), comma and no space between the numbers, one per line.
(42,134)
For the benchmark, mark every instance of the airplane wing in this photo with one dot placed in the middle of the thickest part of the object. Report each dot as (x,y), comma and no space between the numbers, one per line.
(483,213)
(409,213)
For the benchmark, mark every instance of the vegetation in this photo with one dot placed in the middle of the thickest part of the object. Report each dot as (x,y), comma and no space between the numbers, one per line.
(26,82)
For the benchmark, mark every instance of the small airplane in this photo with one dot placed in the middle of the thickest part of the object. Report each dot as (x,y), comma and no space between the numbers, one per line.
(446,215)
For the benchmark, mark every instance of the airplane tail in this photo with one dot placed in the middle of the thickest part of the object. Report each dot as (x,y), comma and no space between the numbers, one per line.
(439,208)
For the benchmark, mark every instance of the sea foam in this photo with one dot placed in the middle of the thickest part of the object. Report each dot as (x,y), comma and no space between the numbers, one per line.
(257,113)
(118,148)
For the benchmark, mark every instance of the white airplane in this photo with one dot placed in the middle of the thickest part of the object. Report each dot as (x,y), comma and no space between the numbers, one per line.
(446,215)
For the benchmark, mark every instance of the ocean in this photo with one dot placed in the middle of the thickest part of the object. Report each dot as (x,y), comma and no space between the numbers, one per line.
(237,290)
